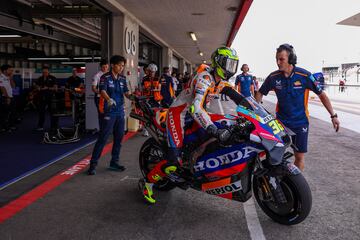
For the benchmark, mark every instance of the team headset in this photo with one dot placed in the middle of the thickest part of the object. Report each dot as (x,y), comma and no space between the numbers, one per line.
(290,49)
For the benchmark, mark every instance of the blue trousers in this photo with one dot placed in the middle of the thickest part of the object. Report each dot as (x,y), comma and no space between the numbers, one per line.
(100,115)
(110,124)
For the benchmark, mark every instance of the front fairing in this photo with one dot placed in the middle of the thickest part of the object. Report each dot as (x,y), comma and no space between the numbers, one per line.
(269,131)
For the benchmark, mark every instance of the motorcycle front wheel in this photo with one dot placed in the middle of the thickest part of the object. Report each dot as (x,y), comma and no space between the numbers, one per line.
(152,153)
(298,196)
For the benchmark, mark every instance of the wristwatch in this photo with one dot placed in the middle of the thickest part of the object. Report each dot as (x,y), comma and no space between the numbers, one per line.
(334,116)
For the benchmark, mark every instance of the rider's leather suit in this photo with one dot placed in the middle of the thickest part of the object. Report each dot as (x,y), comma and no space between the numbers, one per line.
(193,99)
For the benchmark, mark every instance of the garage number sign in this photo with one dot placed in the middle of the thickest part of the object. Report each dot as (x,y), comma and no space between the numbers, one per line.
(130,41)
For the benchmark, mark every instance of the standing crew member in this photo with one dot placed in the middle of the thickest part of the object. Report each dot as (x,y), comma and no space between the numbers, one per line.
(104,68)
(244,82)
(167,88)
(151,85)
(113,88)
(256,85)
(6,94)
(291,85)
(74,81)
(47,87)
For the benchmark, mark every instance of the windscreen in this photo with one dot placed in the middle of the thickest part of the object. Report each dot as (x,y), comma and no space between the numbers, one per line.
(251,104)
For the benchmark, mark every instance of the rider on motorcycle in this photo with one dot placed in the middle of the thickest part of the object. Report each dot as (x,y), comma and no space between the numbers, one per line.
(208,82)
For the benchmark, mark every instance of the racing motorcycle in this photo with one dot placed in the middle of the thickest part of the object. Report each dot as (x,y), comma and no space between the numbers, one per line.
(254,160)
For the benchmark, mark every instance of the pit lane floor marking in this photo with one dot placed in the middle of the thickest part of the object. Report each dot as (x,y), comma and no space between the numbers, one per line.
(40,191)
(252,220)
(128,178)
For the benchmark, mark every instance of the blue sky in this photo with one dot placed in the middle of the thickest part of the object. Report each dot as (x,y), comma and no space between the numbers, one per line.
(309,25)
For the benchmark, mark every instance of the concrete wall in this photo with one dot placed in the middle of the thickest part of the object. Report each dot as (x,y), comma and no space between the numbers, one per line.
(124,41)
(166,57)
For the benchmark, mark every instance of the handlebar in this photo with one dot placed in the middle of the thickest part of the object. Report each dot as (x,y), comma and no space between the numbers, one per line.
(242,129)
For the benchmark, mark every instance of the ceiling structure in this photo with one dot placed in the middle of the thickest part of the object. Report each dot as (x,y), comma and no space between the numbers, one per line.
(212,22)
(70,21)
(351,21)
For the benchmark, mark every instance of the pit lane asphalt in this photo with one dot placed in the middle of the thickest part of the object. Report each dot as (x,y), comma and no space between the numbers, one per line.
(109,205)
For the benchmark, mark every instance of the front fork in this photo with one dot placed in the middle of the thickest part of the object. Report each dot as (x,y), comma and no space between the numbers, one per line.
(270,182)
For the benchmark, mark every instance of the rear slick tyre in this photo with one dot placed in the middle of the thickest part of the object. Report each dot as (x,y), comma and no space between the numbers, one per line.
(151,154)
(298,195)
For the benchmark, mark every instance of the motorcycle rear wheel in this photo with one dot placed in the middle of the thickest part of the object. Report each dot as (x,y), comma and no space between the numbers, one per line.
(151,154)
(299,200)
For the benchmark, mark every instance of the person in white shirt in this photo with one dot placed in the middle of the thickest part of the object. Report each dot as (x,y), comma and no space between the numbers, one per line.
(104,68)
(6,97)
(175,81)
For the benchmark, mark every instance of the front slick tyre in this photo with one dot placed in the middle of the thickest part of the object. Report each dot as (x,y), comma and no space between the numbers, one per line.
(151,154)
(298,196)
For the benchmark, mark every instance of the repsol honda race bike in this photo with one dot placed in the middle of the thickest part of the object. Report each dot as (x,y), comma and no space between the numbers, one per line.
(254,160)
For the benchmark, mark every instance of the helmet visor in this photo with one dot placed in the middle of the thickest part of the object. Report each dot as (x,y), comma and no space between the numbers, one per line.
(228,64)
(231,65)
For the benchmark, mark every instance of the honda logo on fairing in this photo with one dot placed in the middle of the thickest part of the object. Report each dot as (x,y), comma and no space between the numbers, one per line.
(173,129)
(224,159)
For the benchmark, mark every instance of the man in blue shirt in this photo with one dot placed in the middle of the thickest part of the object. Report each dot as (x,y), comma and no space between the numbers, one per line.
(167,88)
(244,82)
(113,88)
(291,85)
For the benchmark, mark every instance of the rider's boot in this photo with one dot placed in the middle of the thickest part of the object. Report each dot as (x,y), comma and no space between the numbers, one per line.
(172,168)
(147,190)
(161,170)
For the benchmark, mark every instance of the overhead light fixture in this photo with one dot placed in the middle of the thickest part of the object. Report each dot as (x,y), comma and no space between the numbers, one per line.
(201,53)
(48,58)
(25,2)
(204,61)
(10,36)
(86,58)
(193,36)
(73,63)
(76,6)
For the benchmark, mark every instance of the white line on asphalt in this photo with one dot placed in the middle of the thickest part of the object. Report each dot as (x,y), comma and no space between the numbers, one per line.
(128,178)
(124,178)
(133,178)
(252,219)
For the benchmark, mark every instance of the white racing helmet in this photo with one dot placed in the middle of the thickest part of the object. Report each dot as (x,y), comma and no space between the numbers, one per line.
(152,67)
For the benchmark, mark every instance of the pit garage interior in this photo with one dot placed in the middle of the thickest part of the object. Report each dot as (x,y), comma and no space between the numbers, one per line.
(68,34)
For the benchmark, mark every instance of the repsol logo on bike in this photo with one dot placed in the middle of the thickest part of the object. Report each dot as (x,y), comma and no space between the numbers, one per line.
(173,129)
(232,187)
(225,158)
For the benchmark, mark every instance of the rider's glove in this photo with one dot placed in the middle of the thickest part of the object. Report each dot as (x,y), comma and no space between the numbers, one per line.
(223,135)
(111,102)
(211,130)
